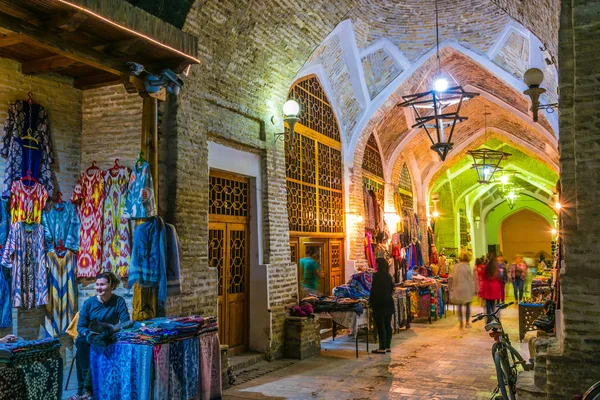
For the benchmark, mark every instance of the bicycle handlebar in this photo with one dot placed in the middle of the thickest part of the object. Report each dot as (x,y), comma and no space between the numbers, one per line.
(499,307)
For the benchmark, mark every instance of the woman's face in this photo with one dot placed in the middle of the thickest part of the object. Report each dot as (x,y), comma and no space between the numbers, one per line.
(103,289)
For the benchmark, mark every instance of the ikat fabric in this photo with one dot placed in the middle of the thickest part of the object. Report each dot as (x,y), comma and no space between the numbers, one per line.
(121,371)
(24,255)
(209,385)
(88,195)
(62,223)
(62,287)
(116,254)
(26,155)
(140,193)
(27,202)
(5,311)
(4,222)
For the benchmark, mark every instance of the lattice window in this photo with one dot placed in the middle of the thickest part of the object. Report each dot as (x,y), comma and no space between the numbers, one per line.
(464,229)
(215,254)
(237,261)
(372,158)
(315,110)
(314,168)
(228,197)
(405,182)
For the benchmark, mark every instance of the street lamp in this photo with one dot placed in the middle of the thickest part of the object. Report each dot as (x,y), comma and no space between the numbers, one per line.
(533,78)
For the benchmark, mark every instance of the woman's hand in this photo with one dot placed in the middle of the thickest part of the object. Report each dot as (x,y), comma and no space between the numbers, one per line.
(8,339)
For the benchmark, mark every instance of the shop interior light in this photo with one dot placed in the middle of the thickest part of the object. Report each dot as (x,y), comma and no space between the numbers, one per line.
(557,205)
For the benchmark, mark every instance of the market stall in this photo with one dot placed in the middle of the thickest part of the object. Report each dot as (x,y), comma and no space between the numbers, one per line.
(163,358)
(31,370)
(427,298)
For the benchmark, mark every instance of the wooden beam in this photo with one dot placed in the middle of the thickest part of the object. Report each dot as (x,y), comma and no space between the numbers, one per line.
(70,21)
(120,47)
(47,64)
(54,43)
(9,40)
(97,81)
(150,137)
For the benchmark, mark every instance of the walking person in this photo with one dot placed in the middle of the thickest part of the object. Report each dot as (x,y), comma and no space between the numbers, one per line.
(309,268)
(462,289)
(491,286)
(518,271)
(382,304)
(502,274)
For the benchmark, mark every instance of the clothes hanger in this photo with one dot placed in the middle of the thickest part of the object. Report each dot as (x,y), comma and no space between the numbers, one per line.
(61,246)
(28,177)
(91,167)
(30,98)
(141,160)
(31,138)
(116,166)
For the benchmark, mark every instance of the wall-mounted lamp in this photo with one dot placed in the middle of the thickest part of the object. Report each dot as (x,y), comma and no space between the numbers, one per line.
(557,206)
(435,214)
(291,109)
(554,232)
(533,78)
(477,221)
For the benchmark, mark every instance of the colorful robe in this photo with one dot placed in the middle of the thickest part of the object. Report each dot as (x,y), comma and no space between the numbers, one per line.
(62,300)
(24,254)
(116,254)
(22,156)
(140,193)
(88,195)
(61,223)
(27,202)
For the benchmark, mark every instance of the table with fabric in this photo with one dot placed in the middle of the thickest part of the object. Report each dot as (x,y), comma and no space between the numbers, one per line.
(186,369)
(353,321)
(31,370)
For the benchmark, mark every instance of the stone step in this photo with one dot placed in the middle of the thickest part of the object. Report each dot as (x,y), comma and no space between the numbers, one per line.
(526,389)
(260,369)
(245,360)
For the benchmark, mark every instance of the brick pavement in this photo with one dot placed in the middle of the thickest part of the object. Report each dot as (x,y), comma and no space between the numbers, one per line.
(437,361)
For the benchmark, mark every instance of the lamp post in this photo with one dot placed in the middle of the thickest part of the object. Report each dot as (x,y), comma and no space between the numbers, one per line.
(533,78)
(291,109)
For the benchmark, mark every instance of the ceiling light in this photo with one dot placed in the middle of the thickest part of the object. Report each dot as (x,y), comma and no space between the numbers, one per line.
(440,85)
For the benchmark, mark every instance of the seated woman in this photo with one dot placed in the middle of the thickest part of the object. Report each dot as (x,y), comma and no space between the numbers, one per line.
(104,307)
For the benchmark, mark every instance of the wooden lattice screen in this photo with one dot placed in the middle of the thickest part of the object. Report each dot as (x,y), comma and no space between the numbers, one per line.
(314,169)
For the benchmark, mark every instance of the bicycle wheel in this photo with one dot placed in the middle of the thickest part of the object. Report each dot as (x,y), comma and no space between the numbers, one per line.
(504,374)
(515,360)
(593,393)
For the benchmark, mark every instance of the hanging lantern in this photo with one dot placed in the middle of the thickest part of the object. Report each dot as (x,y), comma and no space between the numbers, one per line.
(512,196)
(486,162)
(504,180)
(438,113)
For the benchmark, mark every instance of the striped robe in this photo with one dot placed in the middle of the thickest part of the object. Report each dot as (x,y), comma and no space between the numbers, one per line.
(62,300)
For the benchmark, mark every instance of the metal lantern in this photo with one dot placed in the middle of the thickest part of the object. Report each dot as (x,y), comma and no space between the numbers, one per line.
(511,197)
(504,180)
(438,113)
(486,162)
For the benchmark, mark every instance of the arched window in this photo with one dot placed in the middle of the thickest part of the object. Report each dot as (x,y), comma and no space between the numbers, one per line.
(372,169)
(314,169)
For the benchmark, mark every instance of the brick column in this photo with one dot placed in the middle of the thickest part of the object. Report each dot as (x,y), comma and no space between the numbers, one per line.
(573,366)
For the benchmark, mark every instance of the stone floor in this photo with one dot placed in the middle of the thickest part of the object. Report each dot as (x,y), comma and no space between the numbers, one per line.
(428,362)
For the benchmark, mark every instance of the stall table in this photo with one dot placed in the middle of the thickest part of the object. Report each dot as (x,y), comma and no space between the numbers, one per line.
(350,319)
(188,368)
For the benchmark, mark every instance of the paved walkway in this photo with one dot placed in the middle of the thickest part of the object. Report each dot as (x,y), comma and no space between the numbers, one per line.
(428,362)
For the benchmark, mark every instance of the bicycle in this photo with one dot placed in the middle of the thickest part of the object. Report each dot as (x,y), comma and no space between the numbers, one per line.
(592,393)
(507,359)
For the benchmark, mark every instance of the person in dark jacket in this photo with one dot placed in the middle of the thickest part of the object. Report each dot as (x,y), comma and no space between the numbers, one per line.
(382,304)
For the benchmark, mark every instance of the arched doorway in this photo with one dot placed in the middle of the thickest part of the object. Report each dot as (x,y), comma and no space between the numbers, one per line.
(525,233)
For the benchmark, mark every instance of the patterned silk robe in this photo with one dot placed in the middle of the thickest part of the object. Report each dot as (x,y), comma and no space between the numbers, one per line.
(26,155)
(24,255)
(62,299)
(116,249)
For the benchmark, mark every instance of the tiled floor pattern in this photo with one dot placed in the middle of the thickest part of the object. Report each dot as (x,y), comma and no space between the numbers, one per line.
(428,362)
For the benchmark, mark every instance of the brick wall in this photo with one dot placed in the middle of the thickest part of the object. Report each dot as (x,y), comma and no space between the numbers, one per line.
(574,366)
(63,103)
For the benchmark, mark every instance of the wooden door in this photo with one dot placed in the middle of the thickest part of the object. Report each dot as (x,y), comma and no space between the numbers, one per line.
(322,258)
(336,263)
(228,247)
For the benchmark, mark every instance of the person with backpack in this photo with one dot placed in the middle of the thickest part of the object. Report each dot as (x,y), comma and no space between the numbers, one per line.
(518,271)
